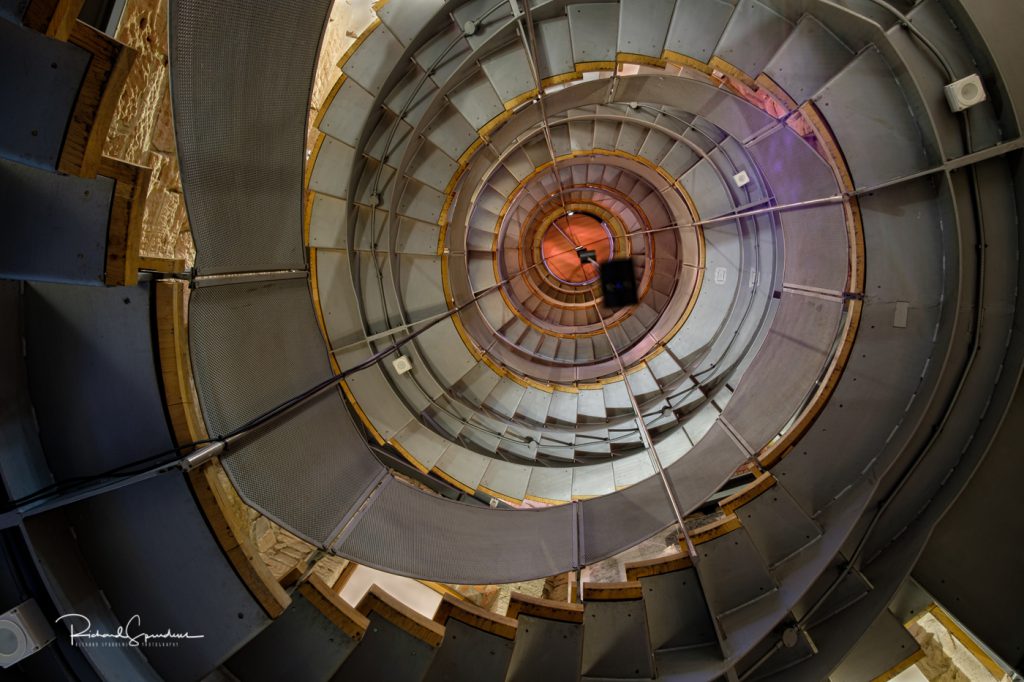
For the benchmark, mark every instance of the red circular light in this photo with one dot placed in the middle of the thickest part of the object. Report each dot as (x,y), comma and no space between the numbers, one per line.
(563,236)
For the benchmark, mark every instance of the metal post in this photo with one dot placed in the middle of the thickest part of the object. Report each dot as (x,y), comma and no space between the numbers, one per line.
(648,442)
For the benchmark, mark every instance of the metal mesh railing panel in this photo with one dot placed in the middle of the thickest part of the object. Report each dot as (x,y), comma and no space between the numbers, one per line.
(240,87)
(412,533)
(614,523)
(255,345)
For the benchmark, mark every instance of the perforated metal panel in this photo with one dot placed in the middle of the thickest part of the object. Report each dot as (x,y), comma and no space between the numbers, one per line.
(253,346)
(816,252)
(616,522)
(786,368)
(410,532)
(240,109)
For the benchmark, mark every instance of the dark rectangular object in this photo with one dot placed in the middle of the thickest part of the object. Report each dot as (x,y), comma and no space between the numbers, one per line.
(618,283)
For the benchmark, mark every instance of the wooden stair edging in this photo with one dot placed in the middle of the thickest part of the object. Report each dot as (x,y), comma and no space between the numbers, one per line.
(524,604)
(715,529)
(164,265)
(53,18)
(180,397)
(377,601)
(105,78)
(635,570)
(124,229)
(325,600)
(761,483)
(232,535)
(474,616)
(623,591)
(81,154)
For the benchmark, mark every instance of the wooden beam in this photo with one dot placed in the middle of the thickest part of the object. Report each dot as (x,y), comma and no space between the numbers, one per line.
(339,612)
(124,231)
(53,18)
(175,365)
(474,616)
(715,529)
(763,482)
(401,616)
(523,604)
(94,109)
(166,265)
(344,577)
(658,566)
(233,536)
(900,667)
(291,578)
(612,591)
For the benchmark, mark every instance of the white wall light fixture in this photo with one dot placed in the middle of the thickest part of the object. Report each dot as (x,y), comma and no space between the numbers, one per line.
(965,93)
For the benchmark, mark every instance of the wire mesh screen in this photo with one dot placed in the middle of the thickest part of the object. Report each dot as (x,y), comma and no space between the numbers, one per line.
(240,87)
(614,523)
(253,346)
(705,468)
(413,533)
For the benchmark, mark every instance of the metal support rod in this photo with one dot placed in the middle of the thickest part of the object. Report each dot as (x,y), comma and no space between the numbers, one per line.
(219,444)
(648,442)
(380,355)
(110,482)
(965,161)
(529,39)
(391,332)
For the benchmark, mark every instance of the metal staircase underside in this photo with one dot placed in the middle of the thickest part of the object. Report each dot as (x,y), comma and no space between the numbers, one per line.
(456,127)
(842,326)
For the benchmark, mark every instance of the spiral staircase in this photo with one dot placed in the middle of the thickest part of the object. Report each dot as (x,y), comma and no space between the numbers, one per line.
(824,348)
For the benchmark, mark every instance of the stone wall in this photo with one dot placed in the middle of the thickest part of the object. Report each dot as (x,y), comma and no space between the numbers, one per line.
(947,659)
(280,550)
(142,130)
(348,19)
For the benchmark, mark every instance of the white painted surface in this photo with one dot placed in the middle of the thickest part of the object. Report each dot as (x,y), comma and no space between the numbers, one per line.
(412,593)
